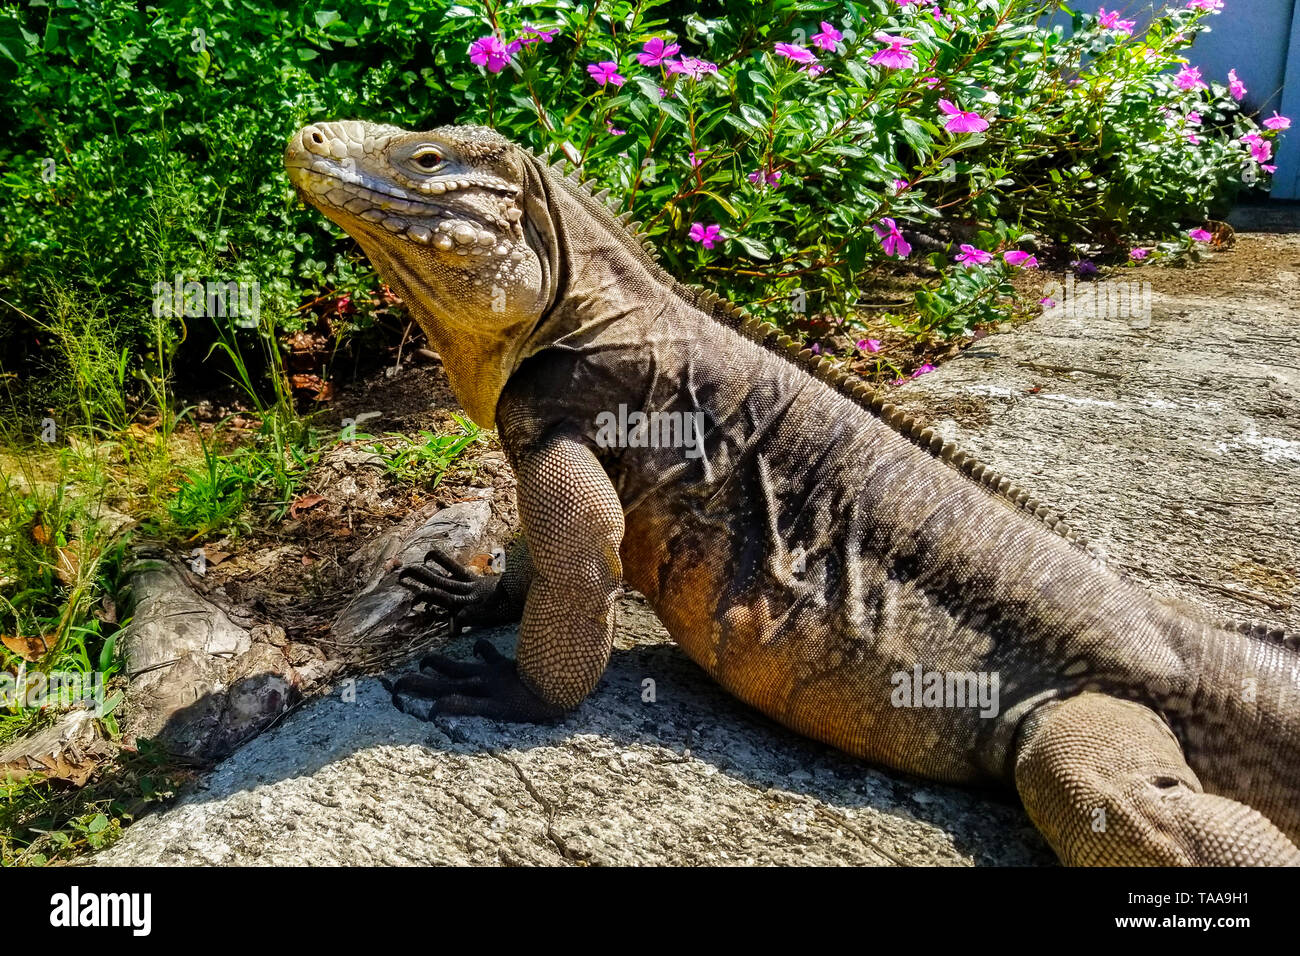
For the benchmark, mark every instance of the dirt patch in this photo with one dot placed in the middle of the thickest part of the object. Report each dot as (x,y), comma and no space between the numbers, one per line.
(298,572)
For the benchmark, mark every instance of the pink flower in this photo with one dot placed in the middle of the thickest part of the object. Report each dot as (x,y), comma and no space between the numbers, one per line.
(1261,152)
(490,52)
(761,178)
(927,367)
(900,185)
(614,131)
(1267,168)
(792,51)
(692,67)
(894,56)
(828,39)
(869,345)
(962,121)
(1189,78)
(1200,235)
(1214,6)
(971,256)
(1022,259)
(932,81)
(1138,254)
(533,34)
(695,159)
(655,51)
(1277,121)
(605,72)
(1193,139)
(1111,21)
(1047,302)
(891,239)
(1235,86)
(706,235)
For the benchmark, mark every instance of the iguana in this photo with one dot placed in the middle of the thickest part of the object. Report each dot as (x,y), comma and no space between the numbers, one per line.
(808,545)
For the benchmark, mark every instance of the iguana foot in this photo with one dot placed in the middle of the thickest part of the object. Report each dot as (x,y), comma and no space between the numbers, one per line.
(441,583)
(444,586)
(1106,782)
(491,688)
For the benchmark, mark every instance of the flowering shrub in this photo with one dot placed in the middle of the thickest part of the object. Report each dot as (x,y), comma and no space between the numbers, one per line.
(756,148)
(788,153)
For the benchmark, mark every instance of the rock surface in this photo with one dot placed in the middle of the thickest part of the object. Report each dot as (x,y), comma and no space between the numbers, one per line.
(381,610)
(201,684)
(1174,443)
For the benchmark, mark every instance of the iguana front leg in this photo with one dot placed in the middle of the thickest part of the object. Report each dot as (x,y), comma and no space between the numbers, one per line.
(574,522)
(1105,781)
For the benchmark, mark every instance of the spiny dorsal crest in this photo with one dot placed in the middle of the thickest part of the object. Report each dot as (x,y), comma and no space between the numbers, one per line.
(1264,633)
(822,368)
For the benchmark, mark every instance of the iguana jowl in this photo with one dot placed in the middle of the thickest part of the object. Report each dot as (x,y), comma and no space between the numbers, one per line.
(815,547)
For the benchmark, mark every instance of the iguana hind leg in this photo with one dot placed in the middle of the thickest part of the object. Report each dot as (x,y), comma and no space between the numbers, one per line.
(1105,781)
(573,516)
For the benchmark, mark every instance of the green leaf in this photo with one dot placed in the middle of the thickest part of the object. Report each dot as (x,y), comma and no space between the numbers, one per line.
(731,210)
(674,110)
(106,654)
(754,248)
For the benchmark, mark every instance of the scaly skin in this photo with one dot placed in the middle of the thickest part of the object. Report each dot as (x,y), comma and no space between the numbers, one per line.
(812,550)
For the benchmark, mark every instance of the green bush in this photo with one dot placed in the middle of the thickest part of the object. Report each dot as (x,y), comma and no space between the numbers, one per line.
(768,154)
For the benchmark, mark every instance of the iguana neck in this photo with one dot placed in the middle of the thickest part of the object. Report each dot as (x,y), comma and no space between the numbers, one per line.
(602,275)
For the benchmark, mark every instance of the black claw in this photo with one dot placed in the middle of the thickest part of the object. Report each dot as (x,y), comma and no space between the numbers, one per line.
(449,667)
(484,649)
(449,564)
(416,578)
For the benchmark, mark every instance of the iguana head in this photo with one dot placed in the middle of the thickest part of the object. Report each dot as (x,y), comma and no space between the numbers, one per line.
(456,220)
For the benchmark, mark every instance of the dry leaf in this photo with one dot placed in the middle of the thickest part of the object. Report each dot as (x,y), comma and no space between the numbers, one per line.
(29,648)
(107,611)
(60,768)
(482,563)
(41,532)
(313,385)
(65,569)
(305,503)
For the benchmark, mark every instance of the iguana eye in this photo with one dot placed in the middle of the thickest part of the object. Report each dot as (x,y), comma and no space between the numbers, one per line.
(428,159)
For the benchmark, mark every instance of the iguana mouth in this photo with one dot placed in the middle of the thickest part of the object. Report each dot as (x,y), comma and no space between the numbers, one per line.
(339,187)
